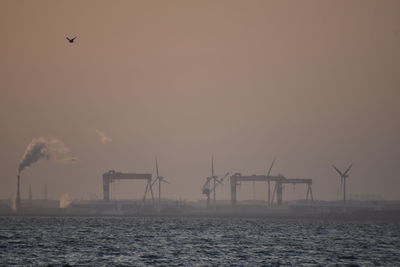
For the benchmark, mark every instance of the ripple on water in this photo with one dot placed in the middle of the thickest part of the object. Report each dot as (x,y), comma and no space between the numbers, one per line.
(26,241)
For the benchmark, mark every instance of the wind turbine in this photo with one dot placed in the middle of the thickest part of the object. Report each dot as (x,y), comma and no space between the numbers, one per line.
(343,176)
(215,180)
(208,189)
(269,182)
(160,180)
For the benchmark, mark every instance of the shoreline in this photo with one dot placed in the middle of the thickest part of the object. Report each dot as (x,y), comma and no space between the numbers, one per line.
(367,216)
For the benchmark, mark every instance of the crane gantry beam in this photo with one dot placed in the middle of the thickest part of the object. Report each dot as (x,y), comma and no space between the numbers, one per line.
(279,181)
(111,176)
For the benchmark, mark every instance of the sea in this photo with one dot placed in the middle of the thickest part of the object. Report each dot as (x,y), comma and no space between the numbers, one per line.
(197,241)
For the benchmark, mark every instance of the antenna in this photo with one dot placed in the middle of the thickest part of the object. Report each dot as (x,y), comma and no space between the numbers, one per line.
(343,176)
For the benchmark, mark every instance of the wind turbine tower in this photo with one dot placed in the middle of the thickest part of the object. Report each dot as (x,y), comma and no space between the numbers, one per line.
(160,180)
(343,176)
(214,178)
(208,188)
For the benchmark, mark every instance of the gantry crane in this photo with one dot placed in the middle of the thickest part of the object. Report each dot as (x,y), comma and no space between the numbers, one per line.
(110,176)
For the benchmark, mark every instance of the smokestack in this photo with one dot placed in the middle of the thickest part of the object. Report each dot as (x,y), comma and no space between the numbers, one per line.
(30,194)
(45,191)
(18,200)
(38,149)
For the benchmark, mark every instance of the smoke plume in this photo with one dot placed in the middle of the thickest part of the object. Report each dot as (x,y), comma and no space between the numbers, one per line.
(47,148)
(102,136)
(13,203)
(65,201)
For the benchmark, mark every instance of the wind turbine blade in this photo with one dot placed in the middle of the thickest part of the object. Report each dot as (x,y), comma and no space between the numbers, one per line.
(223,177)
(348,169)
(157,168)
(270,168)
(340,173)
(155,180)
(165,181)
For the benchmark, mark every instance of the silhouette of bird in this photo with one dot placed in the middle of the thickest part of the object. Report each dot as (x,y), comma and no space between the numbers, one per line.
(71,40)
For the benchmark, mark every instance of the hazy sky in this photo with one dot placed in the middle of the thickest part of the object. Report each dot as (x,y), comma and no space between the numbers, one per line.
(311,82)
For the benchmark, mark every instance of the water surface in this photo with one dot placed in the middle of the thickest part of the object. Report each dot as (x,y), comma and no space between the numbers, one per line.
(150,241)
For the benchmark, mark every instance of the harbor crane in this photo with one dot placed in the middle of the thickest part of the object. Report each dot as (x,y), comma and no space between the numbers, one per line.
(279,180)
(111,176)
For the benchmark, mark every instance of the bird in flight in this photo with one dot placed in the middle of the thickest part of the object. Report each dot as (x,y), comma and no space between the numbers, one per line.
(71,40)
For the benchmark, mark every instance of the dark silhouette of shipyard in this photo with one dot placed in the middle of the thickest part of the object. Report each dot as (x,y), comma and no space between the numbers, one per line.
(71,40)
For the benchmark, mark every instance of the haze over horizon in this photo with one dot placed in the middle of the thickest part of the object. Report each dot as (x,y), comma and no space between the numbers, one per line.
(313,83)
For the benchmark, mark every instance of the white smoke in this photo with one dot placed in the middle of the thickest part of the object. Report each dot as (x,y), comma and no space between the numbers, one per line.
(48,148)
(65,201)
(13,203)
(102,136)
